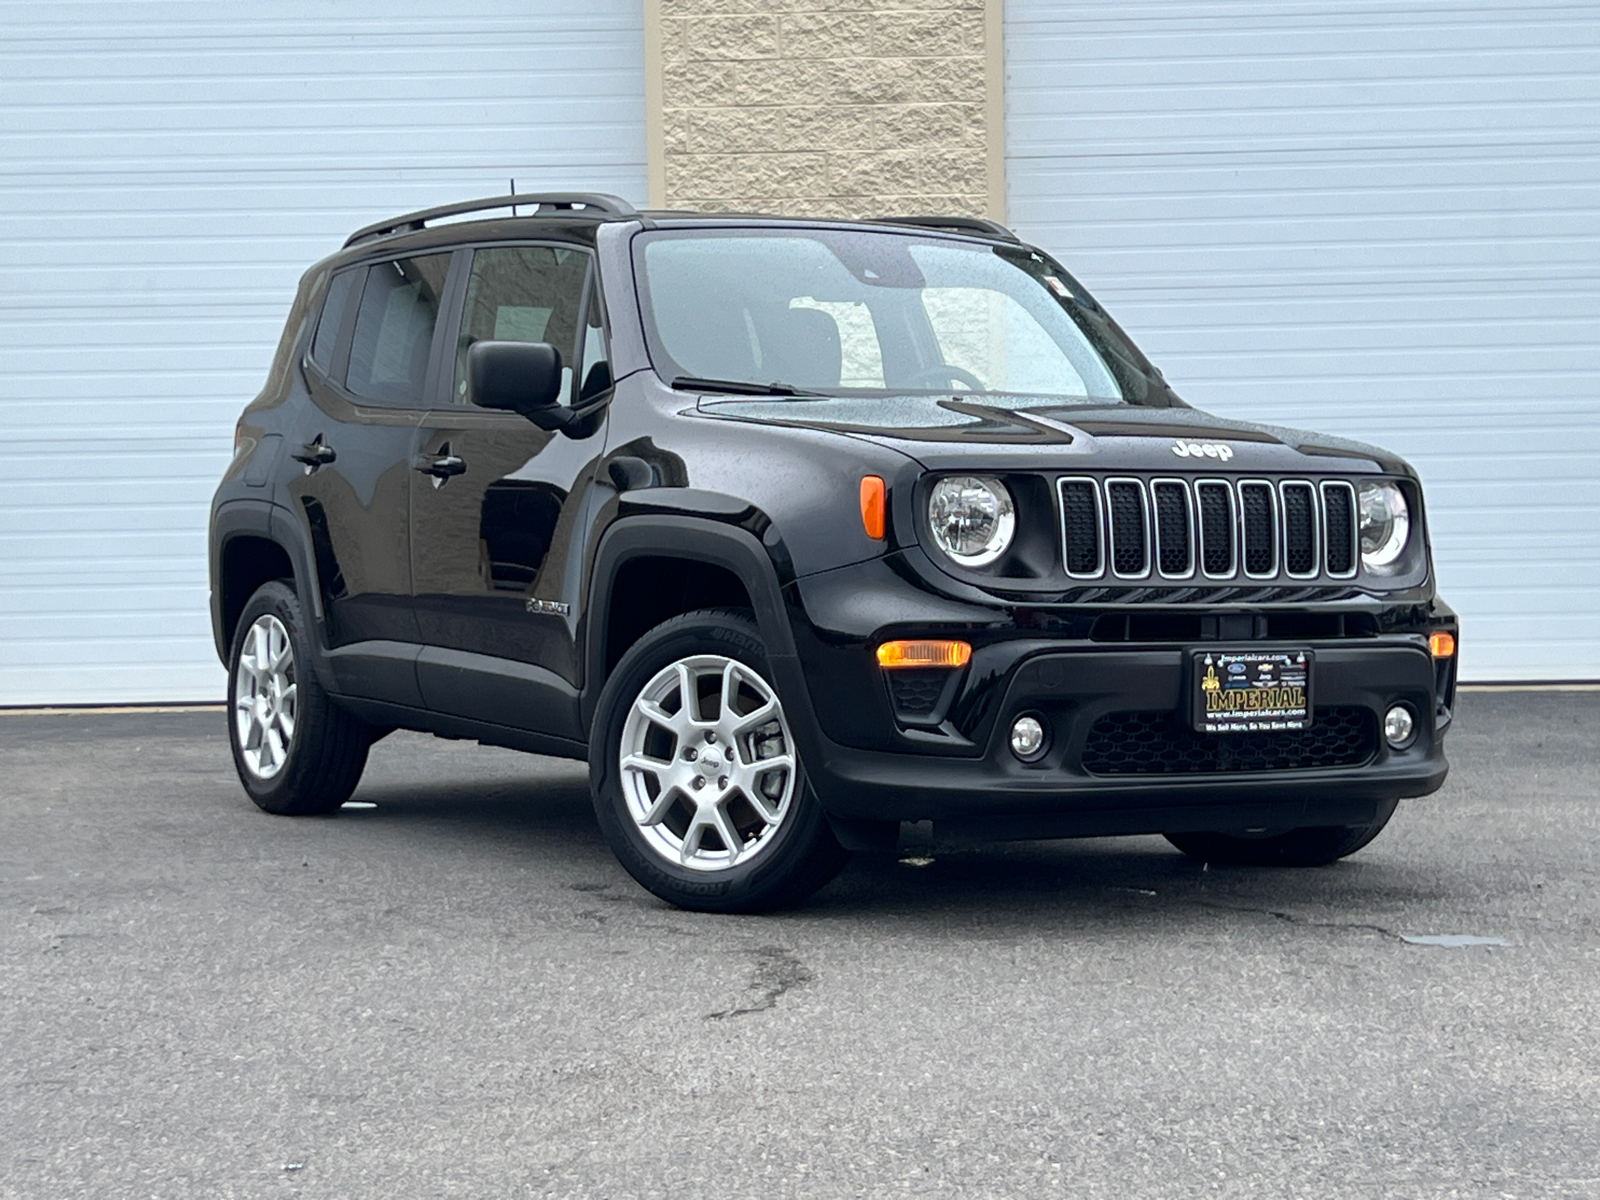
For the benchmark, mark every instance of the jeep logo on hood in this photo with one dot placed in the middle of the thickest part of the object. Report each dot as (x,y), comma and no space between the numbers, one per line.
(1185,449)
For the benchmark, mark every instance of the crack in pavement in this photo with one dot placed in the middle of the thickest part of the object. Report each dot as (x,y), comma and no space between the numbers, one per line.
(1291,919)
(777,971)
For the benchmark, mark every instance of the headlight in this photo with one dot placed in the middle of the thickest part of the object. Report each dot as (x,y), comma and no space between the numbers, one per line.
(972,519)
(1385,526)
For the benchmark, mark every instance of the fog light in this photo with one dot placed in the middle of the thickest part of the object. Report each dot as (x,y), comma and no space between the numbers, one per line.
(1027,738)
(1399,727)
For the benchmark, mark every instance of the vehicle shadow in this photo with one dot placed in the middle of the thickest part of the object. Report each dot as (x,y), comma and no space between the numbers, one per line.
(540,813)
(1020,885)
(1121,880)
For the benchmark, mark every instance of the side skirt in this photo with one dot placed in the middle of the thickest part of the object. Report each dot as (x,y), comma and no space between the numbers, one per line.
(380,712)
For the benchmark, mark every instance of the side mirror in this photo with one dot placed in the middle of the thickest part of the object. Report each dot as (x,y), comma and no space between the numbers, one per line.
(520,377)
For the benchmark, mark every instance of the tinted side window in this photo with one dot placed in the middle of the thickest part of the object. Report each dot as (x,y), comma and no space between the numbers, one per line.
(341,290)
(523,294)
(394,328)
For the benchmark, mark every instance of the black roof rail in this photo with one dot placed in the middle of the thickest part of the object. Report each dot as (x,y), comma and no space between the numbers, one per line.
(600,204)
(981,225)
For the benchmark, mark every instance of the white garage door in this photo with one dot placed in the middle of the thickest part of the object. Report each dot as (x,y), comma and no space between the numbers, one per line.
(167,171)
(1375,219)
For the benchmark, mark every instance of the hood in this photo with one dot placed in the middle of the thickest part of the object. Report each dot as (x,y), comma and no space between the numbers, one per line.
(943,432)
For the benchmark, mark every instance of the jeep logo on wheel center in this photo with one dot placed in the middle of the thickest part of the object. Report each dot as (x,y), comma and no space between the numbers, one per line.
(1185,449)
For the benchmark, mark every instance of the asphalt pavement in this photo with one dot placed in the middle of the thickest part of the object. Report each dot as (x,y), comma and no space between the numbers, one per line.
(458,992)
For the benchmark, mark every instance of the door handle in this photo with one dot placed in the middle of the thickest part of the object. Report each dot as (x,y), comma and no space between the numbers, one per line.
(315,453)
(442,467)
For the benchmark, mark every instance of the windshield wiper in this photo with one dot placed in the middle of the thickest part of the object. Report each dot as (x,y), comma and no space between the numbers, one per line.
(738,387)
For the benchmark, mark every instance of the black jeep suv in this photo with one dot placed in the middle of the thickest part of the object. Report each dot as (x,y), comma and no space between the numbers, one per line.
(798,530)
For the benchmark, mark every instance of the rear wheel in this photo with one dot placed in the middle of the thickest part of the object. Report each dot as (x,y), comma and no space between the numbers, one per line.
(296,751)
(697,783)
(1315,846)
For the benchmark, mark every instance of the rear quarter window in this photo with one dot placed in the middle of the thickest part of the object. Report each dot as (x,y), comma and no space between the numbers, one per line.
(335,304)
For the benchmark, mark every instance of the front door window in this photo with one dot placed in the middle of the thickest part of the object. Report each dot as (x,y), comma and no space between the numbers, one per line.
(523,294)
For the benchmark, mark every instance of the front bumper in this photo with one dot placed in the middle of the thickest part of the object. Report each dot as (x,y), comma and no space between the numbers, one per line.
(871,768)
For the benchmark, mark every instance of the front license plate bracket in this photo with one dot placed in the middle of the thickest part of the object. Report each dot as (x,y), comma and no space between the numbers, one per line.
(1250,691)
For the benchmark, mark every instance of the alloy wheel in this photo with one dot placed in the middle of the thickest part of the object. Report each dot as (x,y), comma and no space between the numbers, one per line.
(265,697)
(708,768)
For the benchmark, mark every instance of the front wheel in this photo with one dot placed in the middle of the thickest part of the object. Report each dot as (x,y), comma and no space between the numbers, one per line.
(697,783)
(1311,847)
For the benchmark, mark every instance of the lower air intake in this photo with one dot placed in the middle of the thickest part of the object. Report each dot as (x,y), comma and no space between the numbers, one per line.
(1158,743)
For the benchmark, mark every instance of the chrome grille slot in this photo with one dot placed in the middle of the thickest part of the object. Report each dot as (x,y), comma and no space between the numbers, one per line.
(1259,517)
(1215,502)
(1299,529)
(1130,530)
(1174,536)
(1080,528)
(1339,528)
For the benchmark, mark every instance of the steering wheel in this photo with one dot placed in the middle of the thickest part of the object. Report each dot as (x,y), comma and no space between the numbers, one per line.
(944,373)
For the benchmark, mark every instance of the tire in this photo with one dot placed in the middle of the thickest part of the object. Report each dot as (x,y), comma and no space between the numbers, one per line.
(296,751)
(1315,846)
(672,789)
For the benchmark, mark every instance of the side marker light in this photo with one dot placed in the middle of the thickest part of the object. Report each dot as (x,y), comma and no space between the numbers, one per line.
(1441,644)
(872,506)
(894,655)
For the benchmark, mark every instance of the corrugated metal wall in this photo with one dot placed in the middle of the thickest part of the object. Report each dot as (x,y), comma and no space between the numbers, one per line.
(167,171)
(1378,219)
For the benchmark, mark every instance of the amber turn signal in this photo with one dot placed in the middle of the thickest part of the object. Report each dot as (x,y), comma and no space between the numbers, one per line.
(1441,644)
(872,495)
(923,654)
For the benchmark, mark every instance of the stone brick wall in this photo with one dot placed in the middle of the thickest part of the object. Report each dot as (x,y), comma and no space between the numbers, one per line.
(826,107)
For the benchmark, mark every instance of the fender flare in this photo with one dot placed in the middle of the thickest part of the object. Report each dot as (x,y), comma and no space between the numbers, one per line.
(698,539)
(270,522)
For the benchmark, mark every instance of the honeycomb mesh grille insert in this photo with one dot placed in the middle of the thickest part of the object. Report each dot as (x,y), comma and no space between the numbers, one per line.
(1216,525)
(1299,529)
(1127,529)
(1081,515)
(1158,743)
(1255,502)
(1172,529)
(1341,529)
(916,691)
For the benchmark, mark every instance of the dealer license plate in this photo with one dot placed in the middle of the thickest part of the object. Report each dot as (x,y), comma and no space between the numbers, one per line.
(1251,691)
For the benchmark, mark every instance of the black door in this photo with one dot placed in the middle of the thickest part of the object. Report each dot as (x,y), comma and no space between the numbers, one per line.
(495,501)
(367,374)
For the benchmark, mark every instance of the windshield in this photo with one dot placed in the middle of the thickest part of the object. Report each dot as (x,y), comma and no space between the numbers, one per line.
(854,312)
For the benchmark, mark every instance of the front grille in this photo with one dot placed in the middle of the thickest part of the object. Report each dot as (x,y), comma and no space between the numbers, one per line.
(1158,743)
(1248,531)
